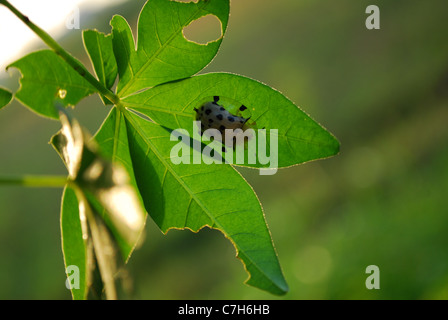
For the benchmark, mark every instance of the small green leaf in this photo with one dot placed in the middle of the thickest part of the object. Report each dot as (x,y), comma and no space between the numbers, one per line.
(191,196)
(163,54)
(300,138)
(100,50)
(47,78)
(5,97)
(74,245)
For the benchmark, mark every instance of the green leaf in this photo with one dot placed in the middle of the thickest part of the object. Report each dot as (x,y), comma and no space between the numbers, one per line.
(194,196)
(163,54)
(74,245)
(300,138)
(5,97)
(100,50)
(46,78)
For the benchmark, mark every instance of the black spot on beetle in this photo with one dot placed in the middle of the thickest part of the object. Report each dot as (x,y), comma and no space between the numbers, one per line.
(222,128)
(222,109)
(208,111)
(243,107)
(210,120)
(219,117)
(231,119)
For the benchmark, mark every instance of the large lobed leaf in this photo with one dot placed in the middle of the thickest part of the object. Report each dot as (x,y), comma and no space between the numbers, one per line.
(194,196)
(183,196)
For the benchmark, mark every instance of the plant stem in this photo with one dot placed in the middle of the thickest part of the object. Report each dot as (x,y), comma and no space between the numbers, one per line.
(67,57)
(35,181)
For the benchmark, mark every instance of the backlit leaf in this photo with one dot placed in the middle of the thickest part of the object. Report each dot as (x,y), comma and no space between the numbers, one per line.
(46,78)
(162,53)
(193,196)
(300,138)
(99,47)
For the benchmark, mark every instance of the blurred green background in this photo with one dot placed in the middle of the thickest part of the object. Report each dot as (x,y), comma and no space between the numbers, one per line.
(382,201)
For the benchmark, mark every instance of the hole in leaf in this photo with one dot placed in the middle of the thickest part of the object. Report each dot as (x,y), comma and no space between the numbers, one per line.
(62,93)
(203,30)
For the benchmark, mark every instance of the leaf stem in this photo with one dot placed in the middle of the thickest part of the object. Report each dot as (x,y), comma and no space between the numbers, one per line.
(67,57)
(36,181)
